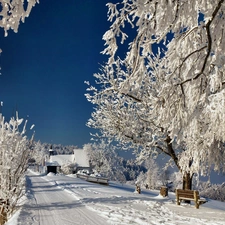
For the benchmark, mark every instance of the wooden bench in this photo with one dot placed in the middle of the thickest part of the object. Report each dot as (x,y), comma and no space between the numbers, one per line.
(190,195)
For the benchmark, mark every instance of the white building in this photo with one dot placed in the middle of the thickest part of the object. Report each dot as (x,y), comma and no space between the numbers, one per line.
(79,158)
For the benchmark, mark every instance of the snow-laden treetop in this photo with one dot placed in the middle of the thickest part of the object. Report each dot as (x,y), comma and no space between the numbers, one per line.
(14,11)
(173,95)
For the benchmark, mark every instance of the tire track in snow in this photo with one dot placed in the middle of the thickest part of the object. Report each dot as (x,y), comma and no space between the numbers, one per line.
(55,206)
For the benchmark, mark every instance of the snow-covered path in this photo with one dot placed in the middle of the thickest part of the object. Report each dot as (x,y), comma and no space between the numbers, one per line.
(49,204)
(67,200)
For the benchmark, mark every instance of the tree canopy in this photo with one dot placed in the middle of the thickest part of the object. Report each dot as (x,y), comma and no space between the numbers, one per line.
(14,11)
(166,95)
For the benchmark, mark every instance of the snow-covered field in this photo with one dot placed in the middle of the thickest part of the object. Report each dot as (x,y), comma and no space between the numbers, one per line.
(70,200)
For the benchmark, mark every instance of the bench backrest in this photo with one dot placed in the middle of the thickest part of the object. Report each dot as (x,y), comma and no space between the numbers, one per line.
(187,193)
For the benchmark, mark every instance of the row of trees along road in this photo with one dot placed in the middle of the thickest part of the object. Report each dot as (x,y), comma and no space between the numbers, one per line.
(166,94)
(14,145)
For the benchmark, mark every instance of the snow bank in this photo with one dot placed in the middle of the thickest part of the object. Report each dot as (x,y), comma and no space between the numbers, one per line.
(50,174)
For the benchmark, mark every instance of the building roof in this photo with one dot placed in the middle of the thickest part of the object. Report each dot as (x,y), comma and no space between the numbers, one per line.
(59,160)
(79,157)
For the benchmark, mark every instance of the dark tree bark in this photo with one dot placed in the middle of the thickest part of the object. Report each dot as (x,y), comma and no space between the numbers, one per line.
(171,151)
(187,181)
(187,177)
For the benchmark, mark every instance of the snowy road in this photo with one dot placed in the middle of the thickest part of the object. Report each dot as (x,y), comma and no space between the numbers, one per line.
(49,204)
(66,200)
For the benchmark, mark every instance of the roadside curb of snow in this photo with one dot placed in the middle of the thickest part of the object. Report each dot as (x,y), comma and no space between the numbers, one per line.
(28,195)
(14,218)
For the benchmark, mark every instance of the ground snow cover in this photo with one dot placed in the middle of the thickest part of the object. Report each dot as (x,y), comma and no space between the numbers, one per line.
(91,203)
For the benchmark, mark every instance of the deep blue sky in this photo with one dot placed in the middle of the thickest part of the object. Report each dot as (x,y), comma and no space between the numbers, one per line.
(45,64)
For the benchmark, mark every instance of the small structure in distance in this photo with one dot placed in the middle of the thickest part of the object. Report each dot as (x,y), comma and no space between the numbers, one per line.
(55,162)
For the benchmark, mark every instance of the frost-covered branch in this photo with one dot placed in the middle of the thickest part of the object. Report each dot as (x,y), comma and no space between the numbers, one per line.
(14,154)
(169,100)
(209,43)
(14,11)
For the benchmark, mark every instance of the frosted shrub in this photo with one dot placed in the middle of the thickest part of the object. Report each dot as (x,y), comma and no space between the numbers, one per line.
(68,168)
(14,154)
(212,191)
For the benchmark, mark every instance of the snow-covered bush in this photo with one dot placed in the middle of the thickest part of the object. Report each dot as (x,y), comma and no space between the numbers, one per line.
(68,168)
(212,191)
(14,155)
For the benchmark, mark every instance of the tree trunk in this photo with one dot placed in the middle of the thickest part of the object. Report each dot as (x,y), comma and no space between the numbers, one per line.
(187,183)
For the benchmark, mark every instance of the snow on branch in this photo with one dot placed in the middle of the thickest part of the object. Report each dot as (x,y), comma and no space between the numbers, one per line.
(14,11)
(14,154)
(174,93)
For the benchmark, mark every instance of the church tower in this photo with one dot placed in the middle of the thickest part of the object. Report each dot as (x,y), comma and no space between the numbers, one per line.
(51,151)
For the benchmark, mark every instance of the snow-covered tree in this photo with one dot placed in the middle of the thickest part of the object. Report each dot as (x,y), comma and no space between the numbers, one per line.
(14,11)
(154,177)
(166,95)
(105,160)
(14,155)
(39,153)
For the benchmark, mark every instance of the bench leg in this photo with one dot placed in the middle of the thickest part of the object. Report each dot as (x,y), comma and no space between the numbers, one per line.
(197,205)
(177,197)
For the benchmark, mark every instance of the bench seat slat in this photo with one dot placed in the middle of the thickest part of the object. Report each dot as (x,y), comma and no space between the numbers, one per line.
(185,191)
(186,198)
(183,195)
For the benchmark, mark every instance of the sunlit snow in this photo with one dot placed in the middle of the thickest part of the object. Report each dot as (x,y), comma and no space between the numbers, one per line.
(59,199)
